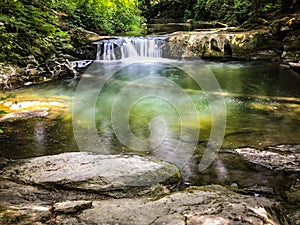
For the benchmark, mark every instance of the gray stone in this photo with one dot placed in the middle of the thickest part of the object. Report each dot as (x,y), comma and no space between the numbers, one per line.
(292,41)
(274,160)
(25,114)
(243,44)
(209,205)
(93,172)
(71,206)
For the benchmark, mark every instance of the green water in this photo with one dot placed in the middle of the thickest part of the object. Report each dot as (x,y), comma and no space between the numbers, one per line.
(158,109)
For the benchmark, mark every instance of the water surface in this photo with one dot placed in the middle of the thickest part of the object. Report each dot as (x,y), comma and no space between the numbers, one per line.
(152,108)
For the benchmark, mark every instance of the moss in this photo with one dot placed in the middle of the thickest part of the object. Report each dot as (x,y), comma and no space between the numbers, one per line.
(7,217)
(293,197)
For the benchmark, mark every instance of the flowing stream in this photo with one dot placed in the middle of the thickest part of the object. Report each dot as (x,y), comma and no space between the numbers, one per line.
(131,100)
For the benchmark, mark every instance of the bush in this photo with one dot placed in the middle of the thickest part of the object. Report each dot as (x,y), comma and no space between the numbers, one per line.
(39,28)
(102,16)
(234,10)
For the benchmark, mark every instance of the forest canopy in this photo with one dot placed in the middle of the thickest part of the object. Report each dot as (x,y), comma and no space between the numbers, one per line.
(38,28)
(34,27)
(222,10)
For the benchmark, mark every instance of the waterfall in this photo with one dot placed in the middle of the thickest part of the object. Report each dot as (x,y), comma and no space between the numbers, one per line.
(130,47)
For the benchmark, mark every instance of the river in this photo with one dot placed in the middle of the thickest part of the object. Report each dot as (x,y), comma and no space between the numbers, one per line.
(166,108)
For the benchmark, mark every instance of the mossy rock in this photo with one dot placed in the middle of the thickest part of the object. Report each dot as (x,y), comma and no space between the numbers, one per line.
(81,37)
(293,195)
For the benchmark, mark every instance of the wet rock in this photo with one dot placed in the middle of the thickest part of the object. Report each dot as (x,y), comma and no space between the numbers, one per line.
(206,205)
(80,36)
(12,77)
(273,160)
(295,66)
(293,195)
(293,203)
(226,43)
(26,114)
(85,52)
(24,214)
(277,42)
(292,41)
(266,54)
(115,175)
(71,206)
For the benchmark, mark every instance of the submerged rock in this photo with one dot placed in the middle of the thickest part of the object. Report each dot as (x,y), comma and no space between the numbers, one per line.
(27,109)
(274,158)
(26,114)
(115,175)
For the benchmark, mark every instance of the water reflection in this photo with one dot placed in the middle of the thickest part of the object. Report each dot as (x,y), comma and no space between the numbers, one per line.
(256,116)
(40,136)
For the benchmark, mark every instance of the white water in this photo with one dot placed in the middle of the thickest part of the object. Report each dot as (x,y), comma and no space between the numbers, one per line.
(130,47)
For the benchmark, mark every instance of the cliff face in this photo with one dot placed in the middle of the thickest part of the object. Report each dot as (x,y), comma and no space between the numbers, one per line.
(279,40)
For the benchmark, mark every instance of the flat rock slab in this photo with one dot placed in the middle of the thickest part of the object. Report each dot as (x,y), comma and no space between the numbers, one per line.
(192,206)
(71,206)
(281,157)
(26,114)
(92,172)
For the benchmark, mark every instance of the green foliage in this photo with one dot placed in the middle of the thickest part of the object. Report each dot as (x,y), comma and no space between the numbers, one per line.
(11,218)
(222,10)
(28,28)
(174,9)
(39,28)
(102,16)
(234,10)
(8,47)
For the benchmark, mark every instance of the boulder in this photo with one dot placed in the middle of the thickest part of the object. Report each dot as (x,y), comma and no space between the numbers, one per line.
(205,205)
(115,175)
(80,37)
(220,43)
(292,41)
(265,43)
(275,158)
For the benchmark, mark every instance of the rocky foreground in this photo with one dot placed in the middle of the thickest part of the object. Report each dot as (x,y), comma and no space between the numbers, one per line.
(88,188)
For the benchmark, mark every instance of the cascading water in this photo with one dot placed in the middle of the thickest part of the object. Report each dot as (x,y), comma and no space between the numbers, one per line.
(130,47)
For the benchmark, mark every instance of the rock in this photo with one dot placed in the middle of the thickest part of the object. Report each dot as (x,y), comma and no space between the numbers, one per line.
(293,203)
(71,206)
(295,66)
(293,195)
(273,160)
(25,114)
(225,43)
(292,41)
(291,56)
(81,37)
(266,54)
(24,215)
(28,60)
(115,175)
(206,205)
(271,43)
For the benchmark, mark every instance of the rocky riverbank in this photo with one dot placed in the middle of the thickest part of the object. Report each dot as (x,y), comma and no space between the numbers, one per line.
(59,65)
(89,188)
(277,40)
